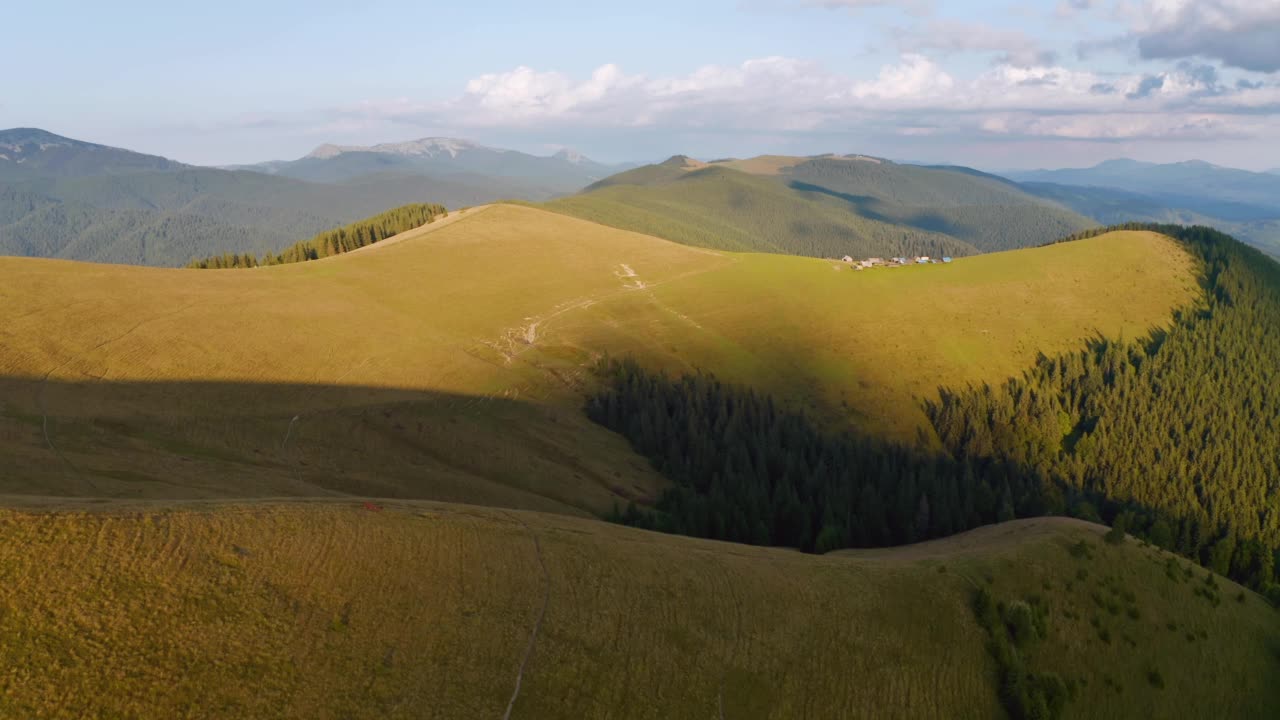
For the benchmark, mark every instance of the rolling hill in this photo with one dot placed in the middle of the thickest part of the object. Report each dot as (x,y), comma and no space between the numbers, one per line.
(193,450)
(408,610)
(131,392)
(825,206)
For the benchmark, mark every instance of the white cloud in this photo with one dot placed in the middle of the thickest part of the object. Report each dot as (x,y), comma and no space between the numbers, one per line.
(955,36)
(917,79)
(912,96)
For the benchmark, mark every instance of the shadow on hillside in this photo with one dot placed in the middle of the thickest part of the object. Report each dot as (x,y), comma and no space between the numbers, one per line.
(177,440)
(874,209)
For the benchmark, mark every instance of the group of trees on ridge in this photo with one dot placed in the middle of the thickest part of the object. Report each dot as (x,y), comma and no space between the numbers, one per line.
(333,242)
(1176,436)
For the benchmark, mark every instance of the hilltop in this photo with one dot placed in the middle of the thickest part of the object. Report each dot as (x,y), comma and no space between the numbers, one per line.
(483,403)
(823,206)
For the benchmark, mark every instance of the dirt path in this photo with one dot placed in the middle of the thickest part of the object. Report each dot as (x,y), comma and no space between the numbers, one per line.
(533,636)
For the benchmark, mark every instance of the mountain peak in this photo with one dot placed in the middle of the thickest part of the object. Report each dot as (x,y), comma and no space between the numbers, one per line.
(428,147)
(682,161)
(570,155)
(40,152)
(1120,164)
(18,138)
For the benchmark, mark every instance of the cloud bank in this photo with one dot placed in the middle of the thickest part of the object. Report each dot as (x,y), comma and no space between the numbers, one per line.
(913,95)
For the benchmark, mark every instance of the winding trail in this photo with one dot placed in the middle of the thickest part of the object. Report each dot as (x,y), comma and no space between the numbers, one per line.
(542,614)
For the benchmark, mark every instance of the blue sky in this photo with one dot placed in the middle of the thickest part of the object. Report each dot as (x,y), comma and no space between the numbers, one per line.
(990,83)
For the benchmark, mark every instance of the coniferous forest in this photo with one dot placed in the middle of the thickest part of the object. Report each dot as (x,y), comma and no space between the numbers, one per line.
(333,242)
(1175,437)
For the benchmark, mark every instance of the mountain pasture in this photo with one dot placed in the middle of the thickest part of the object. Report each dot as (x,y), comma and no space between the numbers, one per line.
(402,609)
(452,365)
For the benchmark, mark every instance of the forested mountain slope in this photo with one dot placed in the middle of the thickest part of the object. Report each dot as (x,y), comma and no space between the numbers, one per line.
(729,210)
(171,217)
(824,206)
(31,152)
(64,198)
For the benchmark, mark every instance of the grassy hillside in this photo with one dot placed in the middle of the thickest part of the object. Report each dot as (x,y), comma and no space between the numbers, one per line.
(825,206)
(403,610)
(451,365)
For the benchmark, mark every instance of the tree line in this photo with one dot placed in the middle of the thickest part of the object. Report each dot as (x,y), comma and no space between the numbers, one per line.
(746,470)
(1175,436)
(1177,433)
(333,242)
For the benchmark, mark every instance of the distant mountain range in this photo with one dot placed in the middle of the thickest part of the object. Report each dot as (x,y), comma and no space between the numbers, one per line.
(1244,203)
(564,172)
(66,198)
(29,152)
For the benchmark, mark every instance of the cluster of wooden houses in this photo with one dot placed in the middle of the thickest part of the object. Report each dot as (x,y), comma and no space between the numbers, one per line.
(876,262)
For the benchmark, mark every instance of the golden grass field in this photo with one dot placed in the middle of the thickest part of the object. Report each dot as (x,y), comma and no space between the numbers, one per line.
(185,447)
(423,610)
(451,364)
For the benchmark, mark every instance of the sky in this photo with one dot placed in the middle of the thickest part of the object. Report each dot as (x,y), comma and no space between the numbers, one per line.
(994,84)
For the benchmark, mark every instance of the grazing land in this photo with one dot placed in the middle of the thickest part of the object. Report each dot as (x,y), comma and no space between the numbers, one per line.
(399,610)
(452,365)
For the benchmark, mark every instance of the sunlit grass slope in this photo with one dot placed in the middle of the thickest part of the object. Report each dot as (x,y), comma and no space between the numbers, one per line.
(396,371)
(451,365)
(869,346)
(426,611)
